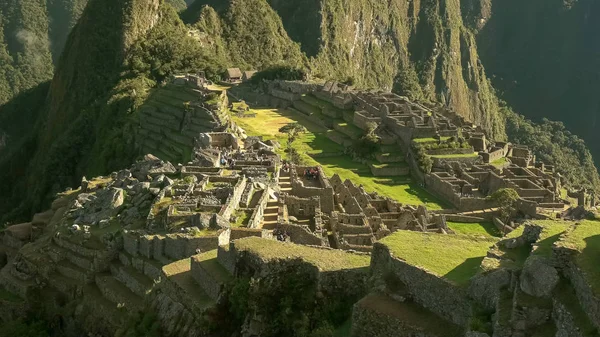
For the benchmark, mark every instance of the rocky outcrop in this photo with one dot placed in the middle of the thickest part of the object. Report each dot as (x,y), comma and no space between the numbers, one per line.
(538,277)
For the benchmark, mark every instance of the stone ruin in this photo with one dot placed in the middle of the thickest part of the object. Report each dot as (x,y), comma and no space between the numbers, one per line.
(464,175)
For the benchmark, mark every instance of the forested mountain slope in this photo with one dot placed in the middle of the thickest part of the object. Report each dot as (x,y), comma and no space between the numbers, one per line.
(544,57)
(420,48)
(32,35)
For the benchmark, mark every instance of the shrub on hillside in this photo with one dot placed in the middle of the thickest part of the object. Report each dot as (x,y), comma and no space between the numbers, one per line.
(281,72)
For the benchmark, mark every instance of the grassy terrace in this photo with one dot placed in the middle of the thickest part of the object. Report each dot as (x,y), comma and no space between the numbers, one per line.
(444,156)
(586,239)
(478,228)
(428,140)
(550,234)
(209,262)
(324,259)
(453,257)
(500,162)
(316,149)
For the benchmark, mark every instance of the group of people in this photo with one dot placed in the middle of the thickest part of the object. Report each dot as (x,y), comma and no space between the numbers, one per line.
(286,166)
(311,173)
(281,235)
(227,158)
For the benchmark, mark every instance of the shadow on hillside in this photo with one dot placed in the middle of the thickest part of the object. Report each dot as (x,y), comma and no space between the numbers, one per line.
(463,272)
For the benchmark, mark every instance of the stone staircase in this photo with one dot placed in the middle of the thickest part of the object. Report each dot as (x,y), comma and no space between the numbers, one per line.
(285,183)
(270,216)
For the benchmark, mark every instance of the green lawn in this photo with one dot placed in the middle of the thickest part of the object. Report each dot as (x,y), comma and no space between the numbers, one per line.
(454,257)
(500,162)
(476,228)
(444,156)
(428,140)
(313,142)
(324,259)
(550,234)
(401,189)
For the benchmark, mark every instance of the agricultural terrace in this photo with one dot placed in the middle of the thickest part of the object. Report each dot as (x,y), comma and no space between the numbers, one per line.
(324,259)
(316,149)
(477,228)
(454,257)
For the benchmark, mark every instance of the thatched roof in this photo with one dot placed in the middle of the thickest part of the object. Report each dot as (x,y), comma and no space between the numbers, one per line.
(248,74)
(234,73)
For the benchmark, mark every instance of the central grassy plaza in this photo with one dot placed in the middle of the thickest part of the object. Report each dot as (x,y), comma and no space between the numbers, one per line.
(316,149)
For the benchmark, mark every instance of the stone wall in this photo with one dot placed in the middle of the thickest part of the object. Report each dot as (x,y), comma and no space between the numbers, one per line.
(492,156)
(439,162)
(258,213)
(589,301)
(226,258)
(564,321)
(362,119)
(234,199)
(463,218)
(389,171)
(240,233)
(205,279)
(325,192)
(303,236)
(430,291)
(384,320)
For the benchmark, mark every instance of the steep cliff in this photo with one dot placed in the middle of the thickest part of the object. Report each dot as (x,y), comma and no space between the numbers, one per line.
(83,100)
(543,58)
(32,36)
(417,48)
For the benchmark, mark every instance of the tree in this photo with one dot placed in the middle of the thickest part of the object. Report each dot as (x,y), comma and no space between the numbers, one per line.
(367,145)
(292,130)
(507,202)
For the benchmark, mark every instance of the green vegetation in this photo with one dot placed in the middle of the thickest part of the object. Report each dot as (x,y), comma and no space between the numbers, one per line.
(248,34)
(368,144)
(26,327)
(552,231)
(292,131)
(553,144)
(429,140)
(453,257)
(507,200)
(500,162)
(141,324)
(6,295)
(314,148)
(477,228)
(585,237)
(542,68)
(458,155)
(242,218)
(280,72)
(325,260)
